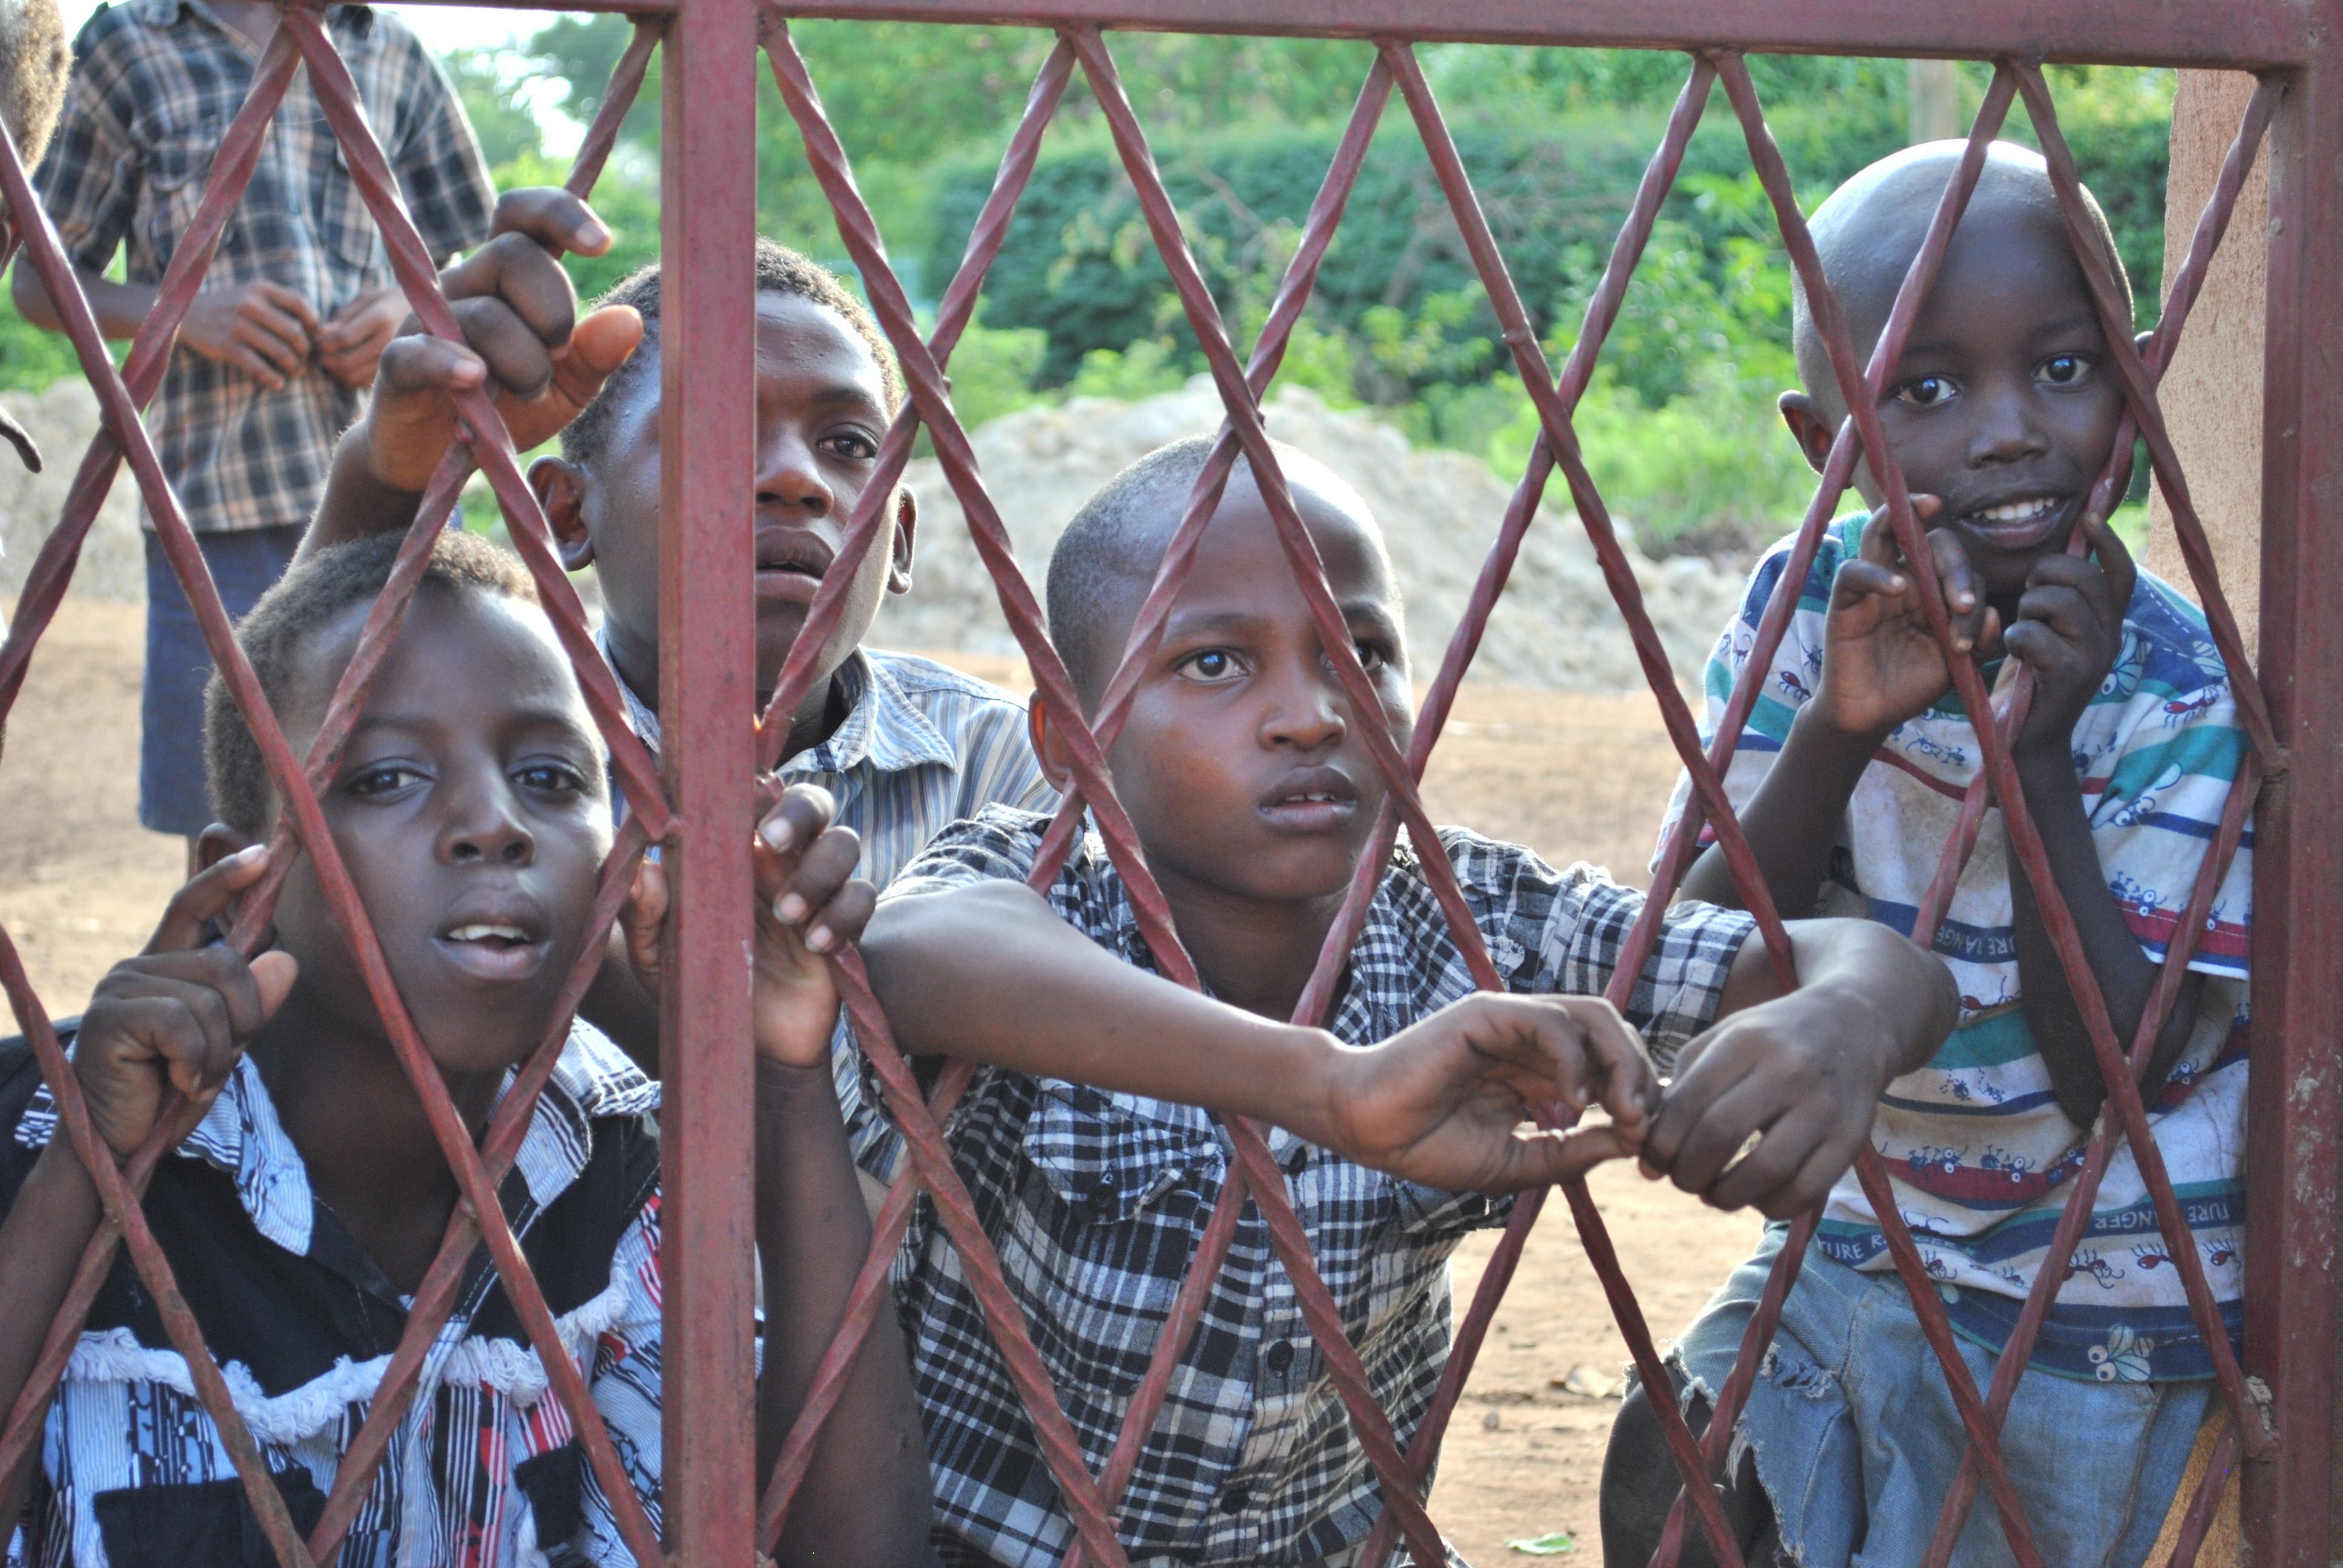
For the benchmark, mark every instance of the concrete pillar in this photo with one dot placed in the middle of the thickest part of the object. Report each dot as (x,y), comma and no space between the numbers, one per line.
(2213,393)
(1935,115)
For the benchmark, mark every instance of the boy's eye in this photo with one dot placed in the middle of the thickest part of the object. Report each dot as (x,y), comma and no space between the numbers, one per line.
(859,447)
(384,779)
(1211,664)
(1927,391)
(1372,655)
(552,778)
(2063,370)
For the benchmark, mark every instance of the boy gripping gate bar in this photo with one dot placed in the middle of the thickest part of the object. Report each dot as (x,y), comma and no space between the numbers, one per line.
(710,108)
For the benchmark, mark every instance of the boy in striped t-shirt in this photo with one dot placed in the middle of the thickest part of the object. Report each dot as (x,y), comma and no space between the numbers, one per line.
(1848,777)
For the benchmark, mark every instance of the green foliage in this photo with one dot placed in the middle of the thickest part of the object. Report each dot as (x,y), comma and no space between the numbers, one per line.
(484,86)
(31,358)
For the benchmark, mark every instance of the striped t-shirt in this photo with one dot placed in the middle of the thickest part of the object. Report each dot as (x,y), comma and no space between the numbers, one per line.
(1980,1154)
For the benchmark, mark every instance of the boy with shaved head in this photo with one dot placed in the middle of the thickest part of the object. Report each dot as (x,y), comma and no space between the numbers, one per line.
(1848,778)
(1246,771)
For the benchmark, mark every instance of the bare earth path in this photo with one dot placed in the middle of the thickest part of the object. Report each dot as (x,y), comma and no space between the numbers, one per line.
(1576,777)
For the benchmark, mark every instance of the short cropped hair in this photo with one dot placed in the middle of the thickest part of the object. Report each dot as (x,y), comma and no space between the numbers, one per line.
(1118,539)
(273,636)
(780,270)
(34,65)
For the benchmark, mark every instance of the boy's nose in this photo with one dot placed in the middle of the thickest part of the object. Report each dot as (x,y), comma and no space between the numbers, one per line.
(1308,715)
(484,827)
(788,475)
(2008,428)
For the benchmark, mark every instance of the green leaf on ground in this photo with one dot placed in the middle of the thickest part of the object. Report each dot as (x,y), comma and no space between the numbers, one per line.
(1552,1544)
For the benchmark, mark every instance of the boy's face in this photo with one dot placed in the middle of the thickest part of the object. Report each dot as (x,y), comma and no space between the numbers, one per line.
(470,809)
(821,412)
(1242,764)
(2005,404)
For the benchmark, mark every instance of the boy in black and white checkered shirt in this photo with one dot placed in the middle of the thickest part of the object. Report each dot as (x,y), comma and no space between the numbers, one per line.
(1253,794)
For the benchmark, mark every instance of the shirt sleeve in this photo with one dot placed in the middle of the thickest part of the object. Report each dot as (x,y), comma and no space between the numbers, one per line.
(2156,800)
(1789,681)
(440,167)
(1565,931)
(996,845)
(89,180)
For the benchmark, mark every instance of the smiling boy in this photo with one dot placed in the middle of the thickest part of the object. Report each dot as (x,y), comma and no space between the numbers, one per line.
(1246,770)
(310,1194)
(1848,778)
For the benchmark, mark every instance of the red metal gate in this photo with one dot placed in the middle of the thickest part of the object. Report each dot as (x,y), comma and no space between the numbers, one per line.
(2279,1403)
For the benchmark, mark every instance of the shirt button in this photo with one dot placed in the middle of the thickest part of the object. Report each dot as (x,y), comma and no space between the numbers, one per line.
(1298,1160)
(1236,1500)
(1281,1355)
(1104,1197)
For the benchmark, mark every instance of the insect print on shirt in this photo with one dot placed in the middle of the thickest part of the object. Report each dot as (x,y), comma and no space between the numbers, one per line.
(1999,1159)
(2180,709)
(2151,1256)
(2218,1254)
(2087,1262)
(2124,1358)
(1792,686)
(1928,1155)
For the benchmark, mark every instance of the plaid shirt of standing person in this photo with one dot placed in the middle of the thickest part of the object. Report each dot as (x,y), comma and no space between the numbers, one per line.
(154,84)
(1096,1201)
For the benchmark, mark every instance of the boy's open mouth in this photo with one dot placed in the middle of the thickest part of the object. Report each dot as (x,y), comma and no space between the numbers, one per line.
(791,563)
(1311,801)
(493,950)
(2019,523)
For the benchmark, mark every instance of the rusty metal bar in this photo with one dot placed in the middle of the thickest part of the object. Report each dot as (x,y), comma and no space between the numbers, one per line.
(2250,34)
(2297,1018)
(708,713)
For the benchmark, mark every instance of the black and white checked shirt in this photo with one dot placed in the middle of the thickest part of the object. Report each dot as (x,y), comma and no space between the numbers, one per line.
(154,84)
(1095,1201)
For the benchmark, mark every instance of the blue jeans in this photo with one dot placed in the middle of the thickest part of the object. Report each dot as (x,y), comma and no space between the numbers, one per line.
(1856,1439)
(172,794)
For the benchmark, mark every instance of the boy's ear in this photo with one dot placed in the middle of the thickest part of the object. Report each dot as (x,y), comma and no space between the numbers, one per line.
(216,843)
(1056,763)
(1813,433)
(907,528)
(561,488)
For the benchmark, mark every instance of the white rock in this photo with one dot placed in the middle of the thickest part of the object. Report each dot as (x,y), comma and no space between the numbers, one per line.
(63,420)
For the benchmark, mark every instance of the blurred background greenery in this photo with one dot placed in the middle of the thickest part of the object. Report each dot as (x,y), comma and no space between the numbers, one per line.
(1679,426)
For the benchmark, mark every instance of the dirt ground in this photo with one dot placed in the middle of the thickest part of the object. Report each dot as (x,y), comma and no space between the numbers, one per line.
(1576,777)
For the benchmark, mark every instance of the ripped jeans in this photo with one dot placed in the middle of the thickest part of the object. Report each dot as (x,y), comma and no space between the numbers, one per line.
(1858,1441)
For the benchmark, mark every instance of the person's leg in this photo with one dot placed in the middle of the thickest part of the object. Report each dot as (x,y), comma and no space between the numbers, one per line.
(1640,1482)
(172,795)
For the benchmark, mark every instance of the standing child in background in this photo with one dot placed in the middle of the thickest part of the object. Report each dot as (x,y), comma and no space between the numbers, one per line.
(1247,773)
(309,1195)
(276,354)
(1848,779)
(905,745)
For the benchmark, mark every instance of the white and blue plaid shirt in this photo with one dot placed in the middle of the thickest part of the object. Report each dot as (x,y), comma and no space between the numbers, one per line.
(1096,1201)
(921,746)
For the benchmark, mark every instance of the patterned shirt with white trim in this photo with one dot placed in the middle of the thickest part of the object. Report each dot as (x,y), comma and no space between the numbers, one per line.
(485,1469)
(1096,1201)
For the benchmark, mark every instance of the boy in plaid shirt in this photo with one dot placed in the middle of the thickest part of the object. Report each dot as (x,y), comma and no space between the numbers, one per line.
(1245,773)
(276,354)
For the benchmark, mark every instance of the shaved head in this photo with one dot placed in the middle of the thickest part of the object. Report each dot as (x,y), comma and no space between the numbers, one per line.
(1870,228)
(1106,559)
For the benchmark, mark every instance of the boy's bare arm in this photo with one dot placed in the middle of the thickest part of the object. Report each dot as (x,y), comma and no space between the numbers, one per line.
(1881,664)
(2069,631)
(989,973)
(1801,1071)
(262,329)
(522,341)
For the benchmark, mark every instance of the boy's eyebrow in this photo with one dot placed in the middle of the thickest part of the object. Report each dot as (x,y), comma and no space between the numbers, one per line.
(2081,320)
(847,392)
(552,714)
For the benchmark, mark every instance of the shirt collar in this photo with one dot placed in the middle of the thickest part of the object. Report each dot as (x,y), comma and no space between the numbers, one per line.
(883,728)
(242,1136)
